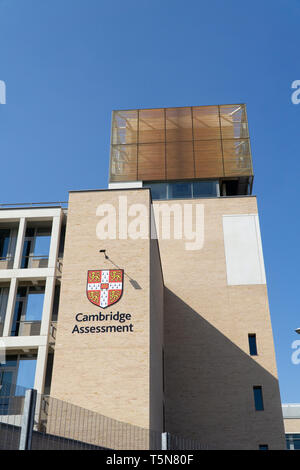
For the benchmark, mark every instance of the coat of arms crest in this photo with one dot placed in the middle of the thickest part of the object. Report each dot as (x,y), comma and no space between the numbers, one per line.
(105,286)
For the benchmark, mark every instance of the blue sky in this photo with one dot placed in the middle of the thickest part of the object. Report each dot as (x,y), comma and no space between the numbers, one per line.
(68,63)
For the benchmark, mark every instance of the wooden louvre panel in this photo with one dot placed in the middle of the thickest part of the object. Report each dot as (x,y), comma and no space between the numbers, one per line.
(179,124)
(151,161)
(180,143)
(123,165)
(237,157)
(124,127)
(208,159)
(151,125)
(206,123)
(180,160)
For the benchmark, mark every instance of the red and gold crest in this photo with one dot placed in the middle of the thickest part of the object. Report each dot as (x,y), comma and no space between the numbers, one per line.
(105,286)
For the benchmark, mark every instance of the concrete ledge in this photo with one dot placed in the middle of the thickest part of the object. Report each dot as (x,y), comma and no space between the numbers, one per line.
(20,342)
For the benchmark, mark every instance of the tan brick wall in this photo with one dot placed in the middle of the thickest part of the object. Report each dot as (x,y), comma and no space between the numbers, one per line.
(209,373)
(107,373)
(292,425)
(156,338)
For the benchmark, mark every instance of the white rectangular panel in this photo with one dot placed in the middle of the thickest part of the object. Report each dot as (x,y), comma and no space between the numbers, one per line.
(243,250)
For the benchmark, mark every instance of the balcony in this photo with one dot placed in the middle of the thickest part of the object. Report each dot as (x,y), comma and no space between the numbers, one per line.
(35,261)
(11,406)
(8,237)
(26,328)
(6,262)
(28,311)
(36,245)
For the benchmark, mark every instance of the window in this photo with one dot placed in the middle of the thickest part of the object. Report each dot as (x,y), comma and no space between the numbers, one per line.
(3,305)
(16,375)
(293,441)
(205,189)
(183,189)
(34,309)
(252,344)
(36,247)
(7,376)
(4,242)
(42,243)
(25,375)
(28,311)
(258,398)
(180,191)
(158,190)
(263,447)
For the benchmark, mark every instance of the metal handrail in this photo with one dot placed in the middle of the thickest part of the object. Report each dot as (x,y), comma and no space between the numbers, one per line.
(17,329)
(32,204)
(53,330)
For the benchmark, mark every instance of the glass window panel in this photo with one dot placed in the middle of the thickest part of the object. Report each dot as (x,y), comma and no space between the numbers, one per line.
(179,124)
(42,245)
(10,361)
(208,158)
(4,242)
(34,309)
(252,345)
(22,292)
(124,127)
(6,380)
(236,130)
(29,232)
(205,189)
(233,122)
(258,398)
(3,304)
(26,374)
(206,123)
(296,439)
(151,125)
(237,157)
(180,160)
(180,190)
(26,253)
(151,161)
(17,318)
(123,165)
(233,113)
(158,190)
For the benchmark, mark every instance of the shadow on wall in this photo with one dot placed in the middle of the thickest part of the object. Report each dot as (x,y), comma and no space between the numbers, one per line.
(209,385)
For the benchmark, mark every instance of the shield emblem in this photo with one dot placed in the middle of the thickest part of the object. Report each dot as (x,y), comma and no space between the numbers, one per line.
(105,286)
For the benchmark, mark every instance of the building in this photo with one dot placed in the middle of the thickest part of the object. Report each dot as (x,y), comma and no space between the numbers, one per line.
(147,301)
(291,419)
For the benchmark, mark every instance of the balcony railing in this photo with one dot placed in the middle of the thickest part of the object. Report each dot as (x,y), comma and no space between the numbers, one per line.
(26,328)
(11,400)
(6,263)
(62,204)
(59,266)
(35,261)
(52,332)
(11,405)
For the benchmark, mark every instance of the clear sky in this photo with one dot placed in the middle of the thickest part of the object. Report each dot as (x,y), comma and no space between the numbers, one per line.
(68,63)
